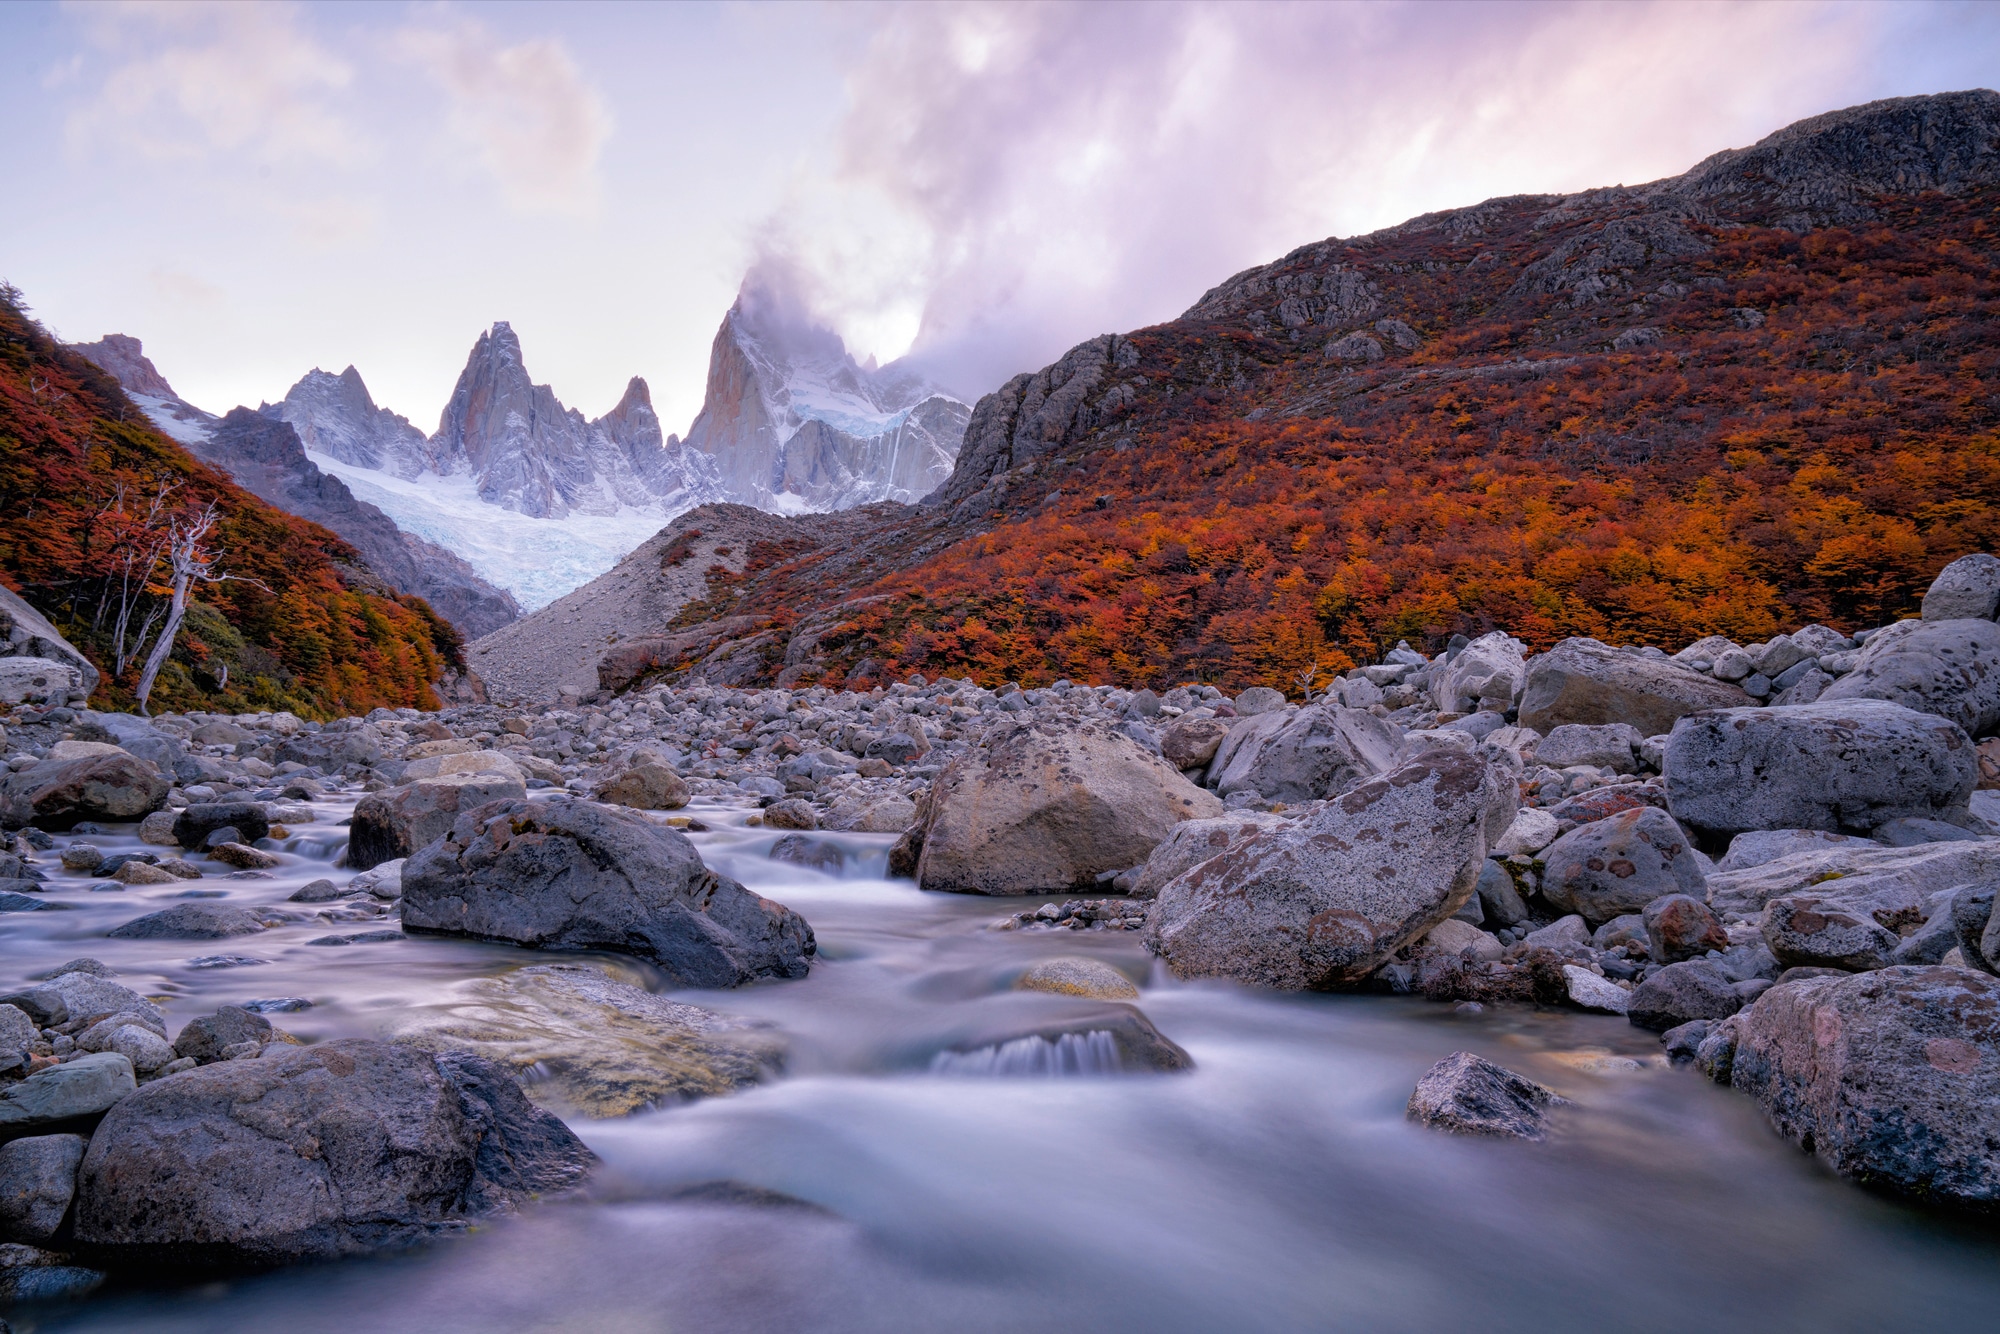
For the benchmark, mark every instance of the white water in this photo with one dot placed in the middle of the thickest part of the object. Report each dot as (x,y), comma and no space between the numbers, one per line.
(1276,1187)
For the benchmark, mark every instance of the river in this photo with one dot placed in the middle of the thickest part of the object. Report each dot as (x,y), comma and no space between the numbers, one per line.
(1276,1187)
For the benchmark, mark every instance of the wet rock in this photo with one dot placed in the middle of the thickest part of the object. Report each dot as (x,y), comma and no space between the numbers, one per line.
(205,1039)
(1891,1078)
(1042,807)
(391,825)
(1590,992)
(1619,865)
(1193,842)
(1966,589)
(1190,743)
(58,795)
(1613,746)
(1326,902)
(1683,1041)
(243,857)
(1680,992)
(67,1096)
(645,787)
(37,1183)
(1071,976)
(1311,753)
(1097,1039)
(1469,1095)
(316,891)
(568,874)
(195,823)
(82,858)
(1584,681)
(1680,927)
(1831,765)
(191,921)
(136,872)
(791,813)
(815,854)
(585,1044)
(1950,669)
(312,1153)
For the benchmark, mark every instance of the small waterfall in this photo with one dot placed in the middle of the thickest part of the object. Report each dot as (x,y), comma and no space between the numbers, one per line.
(1093,1053)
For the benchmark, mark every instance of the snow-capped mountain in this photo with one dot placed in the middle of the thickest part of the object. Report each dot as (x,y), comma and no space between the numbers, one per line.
(335,415)
(795,424)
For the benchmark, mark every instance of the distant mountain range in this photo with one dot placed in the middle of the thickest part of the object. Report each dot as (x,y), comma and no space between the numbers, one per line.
(516,499)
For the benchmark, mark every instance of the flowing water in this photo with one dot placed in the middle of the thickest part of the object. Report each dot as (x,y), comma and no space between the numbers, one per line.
(907,1175)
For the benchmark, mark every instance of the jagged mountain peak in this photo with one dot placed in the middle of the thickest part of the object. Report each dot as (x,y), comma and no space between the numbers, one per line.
(125,358)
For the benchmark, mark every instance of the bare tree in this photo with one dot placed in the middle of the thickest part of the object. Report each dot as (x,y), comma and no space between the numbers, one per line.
(189,562)
(141,543)
(1306,679)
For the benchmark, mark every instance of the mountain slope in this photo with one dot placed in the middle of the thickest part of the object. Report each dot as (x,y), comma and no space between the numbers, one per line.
(263,453)
(301,624)
(1757,394)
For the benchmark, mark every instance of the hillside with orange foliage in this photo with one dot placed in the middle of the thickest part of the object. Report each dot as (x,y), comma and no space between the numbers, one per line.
(1644,415)
(299,624)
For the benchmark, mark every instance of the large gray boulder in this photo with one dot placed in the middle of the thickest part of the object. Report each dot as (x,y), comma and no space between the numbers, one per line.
(26,633)
(67,1096)
(1584,681)
(54,795)
(1825,930)
(1324,903)
(1680,993)
(250,819)
(1847,765)
(1948,668)
(1470,1095)
(1613,746)
(1966,589)
(1891,1078)
(1487,673)
(37,1183)
(1047,806)
(137,735)
(403,820)
(1313,753)
(1193,842)
(566,874)
(1867,870)
(312,1153)
(1618,865)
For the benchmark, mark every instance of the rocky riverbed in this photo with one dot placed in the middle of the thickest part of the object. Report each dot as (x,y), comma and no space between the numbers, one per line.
(525,999)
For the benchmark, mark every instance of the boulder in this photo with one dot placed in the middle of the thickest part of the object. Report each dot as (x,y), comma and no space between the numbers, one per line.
(191,921)
(1619,865)
(584,1044)
(1455,937)
(1488,673)
(645,787)
(1190,743)
(205,1039)
(1045,807)
(1325,902)
(250,820)
(1193,842)
(18,1035)
(864,812)
(490,763)
(1469,1095)
(815,854)
(1814,930)
(242,856)
(1966,589)
(26,633)
(1500,902)
(65,1097)
(137,735)
(1583,681)
(1847,765)
(1917,872)
(1068,976)
(402,820)
(1947,668)
(338,1149)
(1613,746)
(330,752)
(1259,699)
(791,813)
(83,998)
(36,680)
(37,1183)
(1681,992)
(55,795)
(1588,991)
(573,875)
(1680,927)
(1312,753)
(1891,1078)
(1532,830)
(1759,847)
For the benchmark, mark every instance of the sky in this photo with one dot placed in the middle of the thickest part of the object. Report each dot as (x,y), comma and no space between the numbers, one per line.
(258,189)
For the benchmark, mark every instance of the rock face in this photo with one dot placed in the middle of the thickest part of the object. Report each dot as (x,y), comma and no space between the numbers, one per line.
(1827,765)
(1469,1095)
(404,820)
(1324,903)
(1891,1078)
(1309,754)
(1584,681)
(314,1153)
(96,787)
(572,875)
(1947,668)
(26,633)
(1043,808)
(1966,589)
(1615,866)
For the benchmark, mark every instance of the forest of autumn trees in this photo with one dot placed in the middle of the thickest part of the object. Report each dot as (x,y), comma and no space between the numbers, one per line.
(87,488)
(1803,429)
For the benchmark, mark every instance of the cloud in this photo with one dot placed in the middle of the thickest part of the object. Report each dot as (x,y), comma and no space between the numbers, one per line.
(526,112)
(187,81)
(1010,179)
